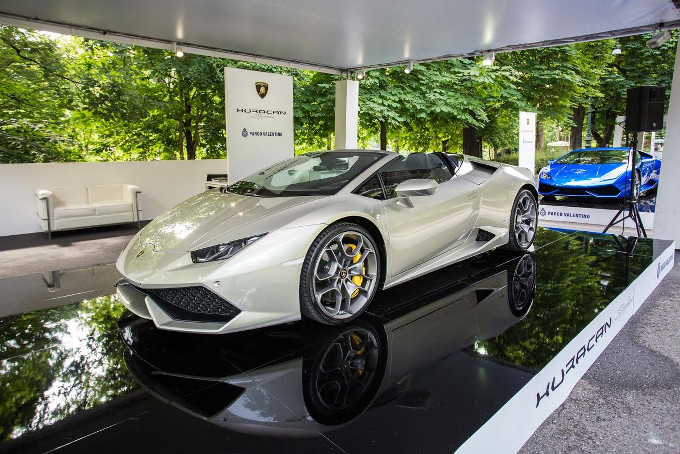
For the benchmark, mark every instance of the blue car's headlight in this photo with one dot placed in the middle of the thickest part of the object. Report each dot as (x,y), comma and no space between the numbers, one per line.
(223,251)
(613,174)
(545,175)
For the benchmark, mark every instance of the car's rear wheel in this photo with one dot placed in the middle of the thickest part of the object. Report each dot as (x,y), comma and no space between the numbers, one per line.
(523,221)
(340,274)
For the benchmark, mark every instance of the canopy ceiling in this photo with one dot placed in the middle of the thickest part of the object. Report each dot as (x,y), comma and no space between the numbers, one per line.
(334,36)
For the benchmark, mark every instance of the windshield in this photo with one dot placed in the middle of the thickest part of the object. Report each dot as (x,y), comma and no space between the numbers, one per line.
(320,173)
(595,157)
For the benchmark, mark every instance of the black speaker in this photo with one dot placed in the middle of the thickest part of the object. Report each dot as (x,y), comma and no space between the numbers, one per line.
(644,108)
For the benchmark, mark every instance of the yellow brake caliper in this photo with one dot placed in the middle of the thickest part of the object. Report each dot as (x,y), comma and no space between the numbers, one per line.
(357,280)
(356,341)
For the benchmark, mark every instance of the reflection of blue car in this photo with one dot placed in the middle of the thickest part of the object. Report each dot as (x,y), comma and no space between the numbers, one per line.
(598,172)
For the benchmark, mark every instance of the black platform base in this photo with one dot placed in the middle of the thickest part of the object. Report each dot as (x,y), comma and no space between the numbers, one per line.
(430,364)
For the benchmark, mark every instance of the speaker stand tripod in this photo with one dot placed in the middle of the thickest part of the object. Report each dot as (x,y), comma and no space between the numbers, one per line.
(629,210)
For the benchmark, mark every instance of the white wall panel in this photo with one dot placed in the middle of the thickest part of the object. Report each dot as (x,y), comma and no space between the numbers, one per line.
(163,184)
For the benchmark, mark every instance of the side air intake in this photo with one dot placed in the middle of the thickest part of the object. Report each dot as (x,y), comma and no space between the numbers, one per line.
(483,235)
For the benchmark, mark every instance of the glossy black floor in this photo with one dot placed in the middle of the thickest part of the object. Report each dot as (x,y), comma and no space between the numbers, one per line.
(430,363)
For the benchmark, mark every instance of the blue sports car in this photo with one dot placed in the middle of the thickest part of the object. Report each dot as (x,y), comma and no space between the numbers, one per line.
(598,172)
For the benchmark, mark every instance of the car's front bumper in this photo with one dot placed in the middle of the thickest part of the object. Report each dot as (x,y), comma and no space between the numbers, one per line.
(262,283)
(610,190)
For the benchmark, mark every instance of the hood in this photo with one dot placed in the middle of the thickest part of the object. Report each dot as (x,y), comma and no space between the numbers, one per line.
(584,174)
(209,214)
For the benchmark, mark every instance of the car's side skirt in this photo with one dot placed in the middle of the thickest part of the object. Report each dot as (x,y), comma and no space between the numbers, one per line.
(471,248)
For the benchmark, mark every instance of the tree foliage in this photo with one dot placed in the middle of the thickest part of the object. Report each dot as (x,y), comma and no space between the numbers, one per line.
(73,99)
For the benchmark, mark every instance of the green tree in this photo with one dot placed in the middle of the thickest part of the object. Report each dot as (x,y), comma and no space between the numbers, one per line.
(36,93)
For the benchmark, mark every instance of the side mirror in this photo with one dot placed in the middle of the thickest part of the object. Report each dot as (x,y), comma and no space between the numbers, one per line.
(415,188)
(551,161)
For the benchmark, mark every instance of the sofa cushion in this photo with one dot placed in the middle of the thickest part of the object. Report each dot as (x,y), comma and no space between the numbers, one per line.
(68,196)
(73,210)
(105,192)
(112,207)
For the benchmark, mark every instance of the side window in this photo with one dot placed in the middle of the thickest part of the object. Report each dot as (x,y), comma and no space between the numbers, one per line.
(416,165)
(371,188)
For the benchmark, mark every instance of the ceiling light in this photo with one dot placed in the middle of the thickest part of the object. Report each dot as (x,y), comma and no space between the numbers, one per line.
(361,74)
(617,49)
(409,68)
(488,58)
(178,50)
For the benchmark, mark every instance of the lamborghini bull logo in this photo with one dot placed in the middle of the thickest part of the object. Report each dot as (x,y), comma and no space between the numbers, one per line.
(262,89)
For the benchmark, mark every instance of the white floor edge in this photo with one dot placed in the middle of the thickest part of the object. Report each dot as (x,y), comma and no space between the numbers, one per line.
(512,426)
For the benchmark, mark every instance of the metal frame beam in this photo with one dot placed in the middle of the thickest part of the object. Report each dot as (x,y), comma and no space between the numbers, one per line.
(122,38)
(187,47)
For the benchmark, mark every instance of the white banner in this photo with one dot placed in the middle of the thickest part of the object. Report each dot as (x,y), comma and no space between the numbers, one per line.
(259,114)
(591,216)
(527,140)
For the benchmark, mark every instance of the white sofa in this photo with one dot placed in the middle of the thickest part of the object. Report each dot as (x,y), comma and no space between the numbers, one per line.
(87,206)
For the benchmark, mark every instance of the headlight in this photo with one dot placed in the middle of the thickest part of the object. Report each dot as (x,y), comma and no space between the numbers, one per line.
(223,251)
(613,173)
(545,175)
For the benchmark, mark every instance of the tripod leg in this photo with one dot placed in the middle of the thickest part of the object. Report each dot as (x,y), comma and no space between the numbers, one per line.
(638,222)
(614,220)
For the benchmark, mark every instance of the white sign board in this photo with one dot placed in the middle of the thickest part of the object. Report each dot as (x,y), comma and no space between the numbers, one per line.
(591,216)
(259,114)
(527,140)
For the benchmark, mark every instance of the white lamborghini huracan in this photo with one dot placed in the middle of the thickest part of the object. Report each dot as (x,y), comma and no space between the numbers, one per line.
(318,235)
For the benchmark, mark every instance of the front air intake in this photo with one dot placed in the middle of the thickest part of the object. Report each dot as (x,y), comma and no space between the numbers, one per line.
(196,304)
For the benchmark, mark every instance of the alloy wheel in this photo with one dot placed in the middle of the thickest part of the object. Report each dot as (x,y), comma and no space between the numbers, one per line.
(525,220)
(347,369)
(345,275)
(523,283)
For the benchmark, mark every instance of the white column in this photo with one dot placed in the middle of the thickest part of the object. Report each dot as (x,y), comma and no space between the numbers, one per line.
(346,114)
(667,216)
(527,140)
(618,131)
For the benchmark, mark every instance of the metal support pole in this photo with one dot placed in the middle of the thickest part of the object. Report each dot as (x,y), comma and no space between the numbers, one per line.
(49,218)
(139,224)
(589,136)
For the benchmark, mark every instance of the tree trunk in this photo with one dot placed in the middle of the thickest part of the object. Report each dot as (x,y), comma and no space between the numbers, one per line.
(329,142)
(188,134)
(180,131)
(472,143)
(540,135)
(445,145)
(576,137)
(608,133)
(180,137)
(197,128)
(383,135)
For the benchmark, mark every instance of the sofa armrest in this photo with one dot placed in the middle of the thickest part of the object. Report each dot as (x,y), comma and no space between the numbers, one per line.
(43,193)
(45,206)
(131,194)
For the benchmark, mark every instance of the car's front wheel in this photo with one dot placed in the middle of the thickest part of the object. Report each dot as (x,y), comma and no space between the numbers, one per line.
(523,221)
(340,274)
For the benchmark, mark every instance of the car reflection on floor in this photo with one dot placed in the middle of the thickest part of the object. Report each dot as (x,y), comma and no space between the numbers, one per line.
(328,375)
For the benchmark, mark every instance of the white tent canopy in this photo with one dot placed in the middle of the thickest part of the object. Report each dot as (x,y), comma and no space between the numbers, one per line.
(336,36)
